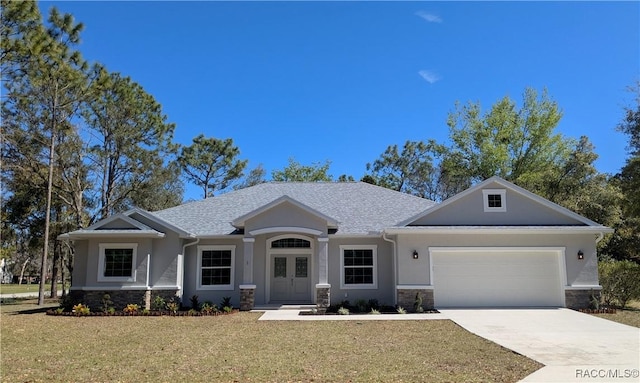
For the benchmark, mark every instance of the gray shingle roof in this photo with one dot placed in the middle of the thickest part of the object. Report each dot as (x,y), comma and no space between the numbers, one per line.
(360,208)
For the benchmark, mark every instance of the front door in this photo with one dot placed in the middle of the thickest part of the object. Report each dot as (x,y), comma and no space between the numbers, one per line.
(290,278)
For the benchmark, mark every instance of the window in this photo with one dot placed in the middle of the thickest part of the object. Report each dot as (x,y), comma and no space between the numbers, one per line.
(216,267)
(358,266)
(290,243)
(117,262)
(495,200)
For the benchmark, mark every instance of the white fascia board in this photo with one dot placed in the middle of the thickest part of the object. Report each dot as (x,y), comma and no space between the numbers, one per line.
(498,230)
(88,234)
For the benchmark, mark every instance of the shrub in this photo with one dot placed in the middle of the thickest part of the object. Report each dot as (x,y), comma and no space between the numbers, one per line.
(226,302)
(81,309)
(343,311)
(66,303)
(107,303)
(374,311)
(208,308)
(361,306)
(195,303)
(620,281)
(228,309)
(158,304)
(373,303)
(131,309)
(417,304)
(401,310)
(173,306)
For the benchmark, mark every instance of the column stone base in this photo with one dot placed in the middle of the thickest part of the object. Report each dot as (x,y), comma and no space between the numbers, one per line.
(247,297)
(323,297)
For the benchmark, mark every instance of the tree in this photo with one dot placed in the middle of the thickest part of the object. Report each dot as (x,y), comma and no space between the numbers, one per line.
(130,145)
(625,242)
(211,163)
(629,176)
(418,169)
(46,92)
(518,145)
(255,177)
(296,172)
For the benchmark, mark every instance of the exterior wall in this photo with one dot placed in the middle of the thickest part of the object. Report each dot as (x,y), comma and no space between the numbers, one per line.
(191,273)
(164,261)
(521,210)
(79,274)
(407,298)
(145,246)
(578,272)
(580,299)
(385,293)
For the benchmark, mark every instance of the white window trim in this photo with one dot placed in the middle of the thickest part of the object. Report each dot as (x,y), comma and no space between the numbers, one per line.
(371,286)
(503,199)
(102,260)
(231,285)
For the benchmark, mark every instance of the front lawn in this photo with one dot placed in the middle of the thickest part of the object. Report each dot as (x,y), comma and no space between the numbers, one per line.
(630,316)
(25,288)
(36,347)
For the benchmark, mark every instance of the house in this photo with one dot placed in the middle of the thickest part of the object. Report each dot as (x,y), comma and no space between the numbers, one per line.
(493,245)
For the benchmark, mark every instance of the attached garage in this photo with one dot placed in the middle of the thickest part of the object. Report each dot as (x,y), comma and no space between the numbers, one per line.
(497,277)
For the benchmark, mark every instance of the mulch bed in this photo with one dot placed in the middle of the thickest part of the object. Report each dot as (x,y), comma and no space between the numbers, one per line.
(606,310)
(140,314)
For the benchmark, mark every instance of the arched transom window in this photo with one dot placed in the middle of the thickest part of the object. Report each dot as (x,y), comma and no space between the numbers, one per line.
(291,243)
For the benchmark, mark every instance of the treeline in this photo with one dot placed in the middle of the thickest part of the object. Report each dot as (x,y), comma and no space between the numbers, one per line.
(80,143)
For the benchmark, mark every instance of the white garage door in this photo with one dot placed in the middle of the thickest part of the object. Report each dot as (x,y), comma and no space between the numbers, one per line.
(497,277)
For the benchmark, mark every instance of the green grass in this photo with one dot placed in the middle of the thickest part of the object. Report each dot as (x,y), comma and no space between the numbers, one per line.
(629,316)
(24,288)
(37,348)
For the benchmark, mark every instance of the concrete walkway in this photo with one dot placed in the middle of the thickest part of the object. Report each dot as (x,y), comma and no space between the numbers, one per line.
(574,347)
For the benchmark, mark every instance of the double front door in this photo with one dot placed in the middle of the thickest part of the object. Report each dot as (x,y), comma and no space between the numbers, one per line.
(290,278)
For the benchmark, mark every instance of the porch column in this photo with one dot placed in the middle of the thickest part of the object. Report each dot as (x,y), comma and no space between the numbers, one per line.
(323,261)
(247,288)
(323,288)
(247,276)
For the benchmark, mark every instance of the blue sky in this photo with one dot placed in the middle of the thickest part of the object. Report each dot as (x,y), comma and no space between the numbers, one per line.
(341,81)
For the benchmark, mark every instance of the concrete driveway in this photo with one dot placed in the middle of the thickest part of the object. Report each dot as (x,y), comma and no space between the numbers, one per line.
(574,347)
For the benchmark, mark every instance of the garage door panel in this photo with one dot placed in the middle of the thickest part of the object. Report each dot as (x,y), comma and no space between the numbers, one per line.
(496,278)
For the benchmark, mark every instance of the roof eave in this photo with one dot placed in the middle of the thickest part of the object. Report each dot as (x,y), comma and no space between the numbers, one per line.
(499,230)
(74,235)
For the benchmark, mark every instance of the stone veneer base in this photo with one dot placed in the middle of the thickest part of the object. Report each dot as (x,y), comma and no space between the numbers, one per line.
(407,298)
(121,298)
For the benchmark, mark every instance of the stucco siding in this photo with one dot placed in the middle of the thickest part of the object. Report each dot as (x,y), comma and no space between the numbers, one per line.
(385,291)
(578,272)
(191,274)
(521,211)
(145,246)
(80,261)
(164,261)
(286,215)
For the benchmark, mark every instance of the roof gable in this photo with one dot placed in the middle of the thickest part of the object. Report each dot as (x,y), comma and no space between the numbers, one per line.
(117,226)
(285,199)
(118,222)
(140,215)
(523,208)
